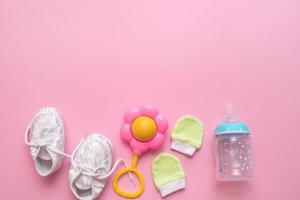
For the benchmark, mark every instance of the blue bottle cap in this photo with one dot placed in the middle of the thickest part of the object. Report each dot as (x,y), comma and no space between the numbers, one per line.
(232,127)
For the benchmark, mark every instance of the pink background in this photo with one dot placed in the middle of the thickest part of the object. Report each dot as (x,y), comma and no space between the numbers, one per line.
(94,59)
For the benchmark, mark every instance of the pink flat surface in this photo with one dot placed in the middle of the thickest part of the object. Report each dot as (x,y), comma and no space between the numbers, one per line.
(95,59)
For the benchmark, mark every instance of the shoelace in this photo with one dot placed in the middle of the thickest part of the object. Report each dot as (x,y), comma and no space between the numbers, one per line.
(43,142)
(98,172)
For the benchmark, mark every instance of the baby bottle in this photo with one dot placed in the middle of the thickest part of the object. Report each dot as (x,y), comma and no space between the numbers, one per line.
(233,148)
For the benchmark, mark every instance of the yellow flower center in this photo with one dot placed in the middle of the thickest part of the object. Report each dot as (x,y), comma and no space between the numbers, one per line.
(143,128)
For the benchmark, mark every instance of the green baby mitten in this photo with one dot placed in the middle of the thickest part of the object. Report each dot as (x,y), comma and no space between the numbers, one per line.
(187,135)
(167,174)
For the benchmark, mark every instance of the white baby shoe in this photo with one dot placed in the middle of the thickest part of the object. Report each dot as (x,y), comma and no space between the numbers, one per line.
(45,136)
(91,164)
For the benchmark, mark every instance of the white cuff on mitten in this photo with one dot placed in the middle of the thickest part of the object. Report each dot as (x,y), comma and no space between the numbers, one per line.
(169,188)
(182,147)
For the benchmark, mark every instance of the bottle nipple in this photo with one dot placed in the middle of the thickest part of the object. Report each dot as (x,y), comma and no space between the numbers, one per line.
(229,114)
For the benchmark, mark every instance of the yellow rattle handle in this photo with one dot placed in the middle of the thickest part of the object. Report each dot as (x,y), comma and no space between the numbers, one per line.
(134,170)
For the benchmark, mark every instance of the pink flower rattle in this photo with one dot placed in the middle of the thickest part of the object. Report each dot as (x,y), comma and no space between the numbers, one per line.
(144,128)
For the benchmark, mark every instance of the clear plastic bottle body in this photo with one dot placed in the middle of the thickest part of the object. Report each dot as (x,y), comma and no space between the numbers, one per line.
(233,156)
